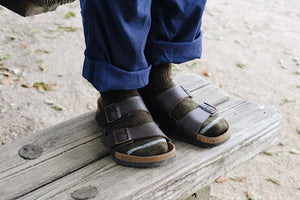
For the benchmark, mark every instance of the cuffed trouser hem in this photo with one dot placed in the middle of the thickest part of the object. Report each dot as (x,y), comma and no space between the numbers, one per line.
(158,52)
(100,73)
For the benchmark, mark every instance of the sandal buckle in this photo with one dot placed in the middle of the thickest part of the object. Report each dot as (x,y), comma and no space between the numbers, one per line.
(186,91)
(208,108)
(121,135)
(112,112)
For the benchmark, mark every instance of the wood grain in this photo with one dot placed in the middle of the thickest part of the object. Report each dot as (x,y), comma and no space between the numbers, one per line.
(74,157)
(193,168)
(203,194)
(66,147)
(31,7)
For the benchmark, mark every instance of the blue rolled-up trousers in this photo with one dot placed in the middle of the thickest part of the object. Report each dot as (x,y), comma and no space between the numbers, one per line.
(125,38)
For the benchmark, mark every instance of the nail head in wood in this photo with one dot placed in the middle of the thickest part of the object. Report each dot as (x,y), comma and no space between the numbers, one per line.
(30,151)
(84,193)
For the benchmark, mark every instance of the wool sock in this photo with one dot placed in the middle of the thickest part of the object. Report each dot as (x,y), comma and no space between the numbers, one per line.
(143,147)
(160,79)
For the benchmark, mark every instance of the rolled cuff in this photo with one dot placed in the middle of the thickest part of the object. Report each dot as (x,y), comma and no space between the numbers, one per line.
(104,76)
(158,52)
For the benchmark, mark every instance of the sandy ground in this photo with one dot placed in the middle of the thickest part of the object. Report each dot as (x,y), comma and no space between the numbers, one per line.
(262,37)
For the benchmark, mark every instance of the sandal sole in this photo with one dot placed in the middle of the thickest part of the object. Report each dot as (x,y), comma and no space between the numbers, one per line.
(201,140)
(202,144)
(145,161)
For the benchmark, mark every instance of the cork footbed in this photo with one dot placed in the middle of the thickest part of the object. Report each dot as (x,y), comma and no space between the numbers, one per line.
(145,161)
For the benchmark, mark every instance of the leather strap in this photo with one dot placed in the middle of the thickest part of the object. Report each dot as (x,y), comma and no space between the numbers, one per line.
(124,135)
(168,99)
(192,121)
(115,111)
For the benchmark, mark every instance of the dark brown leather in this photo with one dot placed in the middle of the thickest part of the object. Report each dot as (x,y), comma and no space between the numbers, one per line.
(124,135)
(168,99)
(191,123)
(115,111)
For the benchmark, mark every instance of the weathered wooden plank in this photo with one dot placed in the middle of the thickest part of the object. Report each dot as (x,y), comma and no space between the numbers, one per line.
(254,128)
(66,147)
(77,138)
(210,94)
(77,150)
(202,91)
(26,7)
(51,169)
(190,81)
(82,128)
(203,194)
(65,135)
(32,7)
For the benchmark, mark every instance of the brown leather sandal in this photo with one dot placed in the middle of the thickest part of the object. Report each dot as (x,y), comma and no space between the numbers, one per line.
(114,139)
(186,129)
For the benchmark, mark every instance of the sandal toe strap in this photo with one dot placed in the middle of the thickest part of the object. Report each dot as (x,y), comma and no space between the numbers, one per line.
(191,123)
(124,135)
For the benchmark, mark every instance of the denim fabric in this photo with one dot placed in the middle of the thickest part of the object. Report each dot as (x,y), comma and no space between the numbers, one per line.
(125,37)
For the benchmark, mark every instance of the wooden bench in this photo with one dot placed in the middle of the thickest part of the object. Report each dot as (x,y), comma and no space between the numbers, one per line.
(32,7)
(75,165)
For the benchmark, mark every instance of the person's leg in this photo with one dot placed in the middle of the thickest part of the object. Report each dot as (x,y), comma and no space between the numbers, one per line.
(115,34)
(175,34)
(175,37)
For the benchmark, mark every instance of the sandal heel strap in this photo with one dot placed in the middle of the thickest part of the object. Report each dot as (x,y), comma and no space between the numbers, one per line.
(116,111)
(168,99)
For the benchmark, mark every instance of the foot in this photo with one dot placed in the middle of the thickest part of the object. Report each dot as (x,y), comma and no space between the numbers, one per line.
(159,87)
(129,127)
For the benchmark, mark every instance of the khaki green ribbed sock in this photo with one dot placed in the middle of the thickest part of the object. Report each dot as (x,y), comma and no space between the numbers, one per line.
(139,147)
(160,79)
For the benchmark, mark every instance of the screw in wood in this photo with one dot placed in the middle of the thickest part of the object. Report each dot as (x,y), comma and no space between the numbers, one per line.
(30,151)
(84,193)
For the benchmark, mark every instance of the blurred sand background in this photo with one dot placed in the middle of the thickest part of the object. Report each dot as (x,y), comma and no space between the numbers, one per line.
(250,48)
